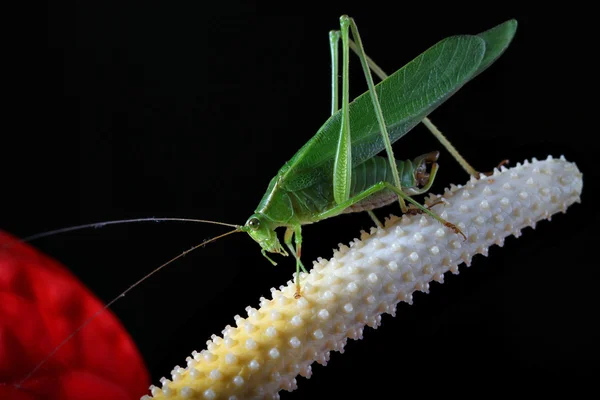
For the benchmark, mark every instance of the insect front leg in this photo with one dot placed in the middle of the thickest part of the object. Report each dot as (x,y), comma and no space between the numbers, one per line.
(296,232)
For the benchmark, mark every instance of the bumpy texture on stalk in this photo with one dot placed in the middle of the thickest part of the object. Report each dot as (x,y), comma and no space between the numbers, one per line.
(266,350)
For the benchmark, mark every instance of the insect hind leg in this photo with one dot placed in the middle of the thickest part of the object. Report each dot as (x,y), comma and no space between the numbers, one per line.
(345,21)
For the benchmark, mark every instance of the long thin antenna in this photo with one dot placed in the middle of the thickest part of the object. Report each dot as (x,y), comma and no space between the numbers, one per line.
(105,223)
(110,303)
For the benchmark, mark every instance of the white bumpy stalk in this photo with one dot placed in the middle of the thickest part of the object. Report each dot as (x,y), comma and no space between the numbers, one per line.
(266,351)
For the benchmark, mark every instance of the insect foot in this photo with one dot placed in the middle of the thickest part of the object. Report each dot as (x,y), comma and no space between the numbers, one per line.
(264,352)
(456,229)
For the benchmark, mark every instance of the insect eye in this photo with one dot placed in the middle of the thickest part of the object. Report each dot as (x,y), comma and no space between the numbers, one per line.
(254,223)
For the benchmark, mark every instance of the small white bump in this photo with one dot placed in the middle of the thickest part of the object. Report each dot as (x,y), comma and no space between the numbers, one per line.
(505,201)
(274,353)
(370,299)
(155,391)
(514,175)
(377,244)
(456,244)
(463,208)
(466,194)
(434,250)
(323,314)
(427,270)
(414,257)
(318,334)
(348,308)
(507,186)
(529,181)
(418,237)
(479,220)
(229,342)
(230,358)
(397,247)
(167,391)
(440,233)
(523,195)
(352,287)
(194,373)
(392,266)
(391,288)
(302,302)
(487,191)
(498,218)
(372,278)
(484,205)
(249,327)
(275,315)
(254,365)
(209,394)
(374,261)
(408,276)
(423,221)
(328,295)
(295,342)
(399,231)
(251,344)
(271,331)
(238,380)
(214,374)
(186,392)
(296,320)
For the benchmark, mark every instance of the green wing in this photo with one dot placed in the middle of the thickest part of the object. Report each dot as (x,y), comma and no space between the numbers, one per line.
(406,97)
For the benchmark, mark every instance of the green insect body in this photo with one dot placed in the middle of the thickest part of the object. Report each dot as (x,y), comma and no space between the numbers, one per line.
(338,171)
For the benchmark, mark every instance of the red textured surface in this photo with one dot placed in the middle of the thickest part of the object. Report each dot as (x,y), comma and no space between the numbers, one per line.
(40,304)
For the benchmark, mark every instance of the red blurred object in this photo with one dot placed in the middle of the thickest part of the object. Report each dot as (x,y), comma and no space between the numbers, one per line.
(41,303)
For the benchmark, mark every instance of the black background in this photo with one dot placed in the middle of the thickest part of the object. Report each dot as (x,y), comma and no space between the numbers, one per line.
(184,110)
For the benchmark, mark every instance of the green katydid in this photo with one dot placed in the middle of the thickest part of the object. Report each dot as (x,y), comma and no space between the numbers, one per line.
(338,170)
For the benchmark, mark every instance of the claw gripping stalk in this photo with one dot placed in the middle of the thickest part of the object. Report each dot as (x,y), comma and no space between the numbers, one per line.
(265,351)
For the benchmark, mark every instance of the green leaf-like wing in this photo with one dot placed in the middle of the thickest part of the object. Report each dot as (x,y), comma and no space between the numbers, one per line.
(497,41)
(406,97)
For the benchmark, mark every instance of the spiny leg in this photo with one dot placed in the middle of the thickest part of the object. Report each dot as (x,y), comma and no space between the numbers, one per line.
(381,186)
(296,231)
(345,20)
(426,121)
